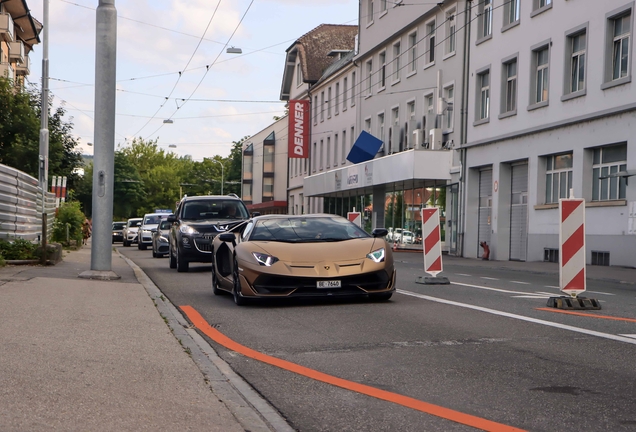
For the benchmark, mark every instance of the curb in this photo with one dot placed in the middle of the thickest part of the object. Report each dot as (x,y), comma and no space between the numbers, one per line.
(253,412)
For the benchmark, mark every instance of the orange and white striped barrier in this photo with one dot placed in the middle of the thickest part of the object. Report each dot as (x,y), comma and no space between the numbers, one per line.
(572,278)
(432,241)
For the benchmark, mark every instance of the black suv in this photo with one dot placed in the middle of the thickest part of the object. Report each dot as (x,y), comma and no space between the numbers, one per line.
(196,222)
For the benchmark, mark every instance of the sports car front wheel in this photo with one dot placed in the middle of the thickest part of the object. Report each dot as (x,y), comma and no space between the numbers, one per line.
(236,289)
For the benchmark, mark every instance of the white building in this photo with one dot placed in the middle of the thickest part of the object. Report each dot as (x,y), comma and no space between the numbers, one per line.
(552,108)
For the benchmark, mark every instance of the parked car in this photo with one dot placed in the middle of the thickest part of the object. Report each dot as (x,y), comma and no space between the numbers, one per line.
(302,256)
(394,234)
(406,237)
(160,242)
(131,231)
(118,231)
(197,221)
(148,227)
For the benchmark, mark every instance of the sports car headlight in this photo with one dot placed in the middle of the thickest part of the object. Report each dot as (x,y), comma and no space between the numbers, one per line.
(264,259)
(187,229)
(377,255)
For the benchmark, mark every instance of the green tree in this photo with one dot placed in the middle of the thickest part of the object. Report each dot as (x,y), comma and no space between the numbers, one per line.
(234,169)
(20,134)
(128,190)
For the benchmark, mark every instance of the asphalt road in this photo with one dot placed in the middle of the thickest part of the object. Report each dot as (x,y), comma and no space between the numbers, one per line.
(478,350)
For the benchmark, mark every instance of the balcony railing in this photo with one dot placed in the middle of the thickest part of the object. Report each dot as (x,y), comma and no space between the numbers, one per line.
(6,71)
(16,51)
(23,69)
(6,27)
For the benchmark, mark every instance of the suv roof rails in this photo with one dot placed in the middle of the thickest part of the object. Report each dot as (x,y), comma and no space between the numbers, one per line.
(233,195)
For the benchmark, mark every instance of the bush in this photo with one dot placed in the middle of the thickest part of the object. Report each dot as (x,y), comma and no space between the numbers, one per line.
(69,214)
(19,249)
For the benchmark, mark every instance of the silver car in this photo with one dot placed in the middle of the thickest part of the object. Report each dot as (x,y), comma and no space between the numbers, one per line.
(131,231)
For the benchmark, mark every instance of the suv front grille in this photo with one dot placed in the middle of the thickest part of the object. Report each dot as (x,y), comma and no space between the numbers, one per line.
(203,244)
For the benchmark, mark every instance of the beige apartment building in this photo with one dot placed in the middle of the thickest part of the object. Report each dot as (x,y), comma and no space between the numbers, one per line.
(19,32)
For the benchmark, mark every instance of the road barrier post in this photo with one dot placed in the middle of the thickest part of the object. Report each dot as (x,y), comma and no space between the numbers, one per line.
(432,245)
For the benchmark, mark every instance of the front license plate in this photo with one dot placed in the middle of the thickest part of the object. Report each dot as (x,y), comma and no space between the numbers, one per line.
(329,284)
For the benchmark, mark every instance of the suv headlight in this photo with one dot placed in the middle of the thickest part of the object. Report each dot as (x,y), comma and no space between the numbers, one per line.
(264,259)
(377,255)
(187,229)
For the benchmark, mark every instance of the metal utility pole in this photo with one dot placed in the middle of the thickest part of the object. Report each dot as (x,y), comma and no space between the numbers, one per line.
(43,172)
(104,141)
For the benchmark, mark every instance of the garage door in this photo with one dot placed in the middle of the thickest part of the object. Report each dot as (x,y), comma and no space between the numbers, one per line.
(519,212)
(485,208)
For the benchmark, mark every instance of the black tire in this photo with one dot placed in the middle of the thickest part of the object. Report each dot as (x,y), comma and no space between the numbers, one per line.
(126,244)
(173,260)
(380,297)
(239,300)
(182,264)
(154,254)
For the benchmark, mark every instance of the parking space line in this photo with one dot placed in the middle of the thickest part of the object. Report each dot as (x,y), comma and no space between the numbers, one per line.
(521,317)
(458,417)
(589,315)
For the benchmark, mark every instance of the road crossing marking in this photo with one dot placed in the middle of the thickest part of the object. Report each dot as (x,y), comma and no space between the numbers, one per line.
(463,274)
(489,278)
(521,283)
(446,413)
(489,288)
(522,318)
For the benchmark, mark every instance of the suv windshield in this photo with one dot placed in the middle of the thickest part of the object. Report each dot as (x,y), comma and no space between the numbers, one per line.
(214,209)
(119,225)
(135,223)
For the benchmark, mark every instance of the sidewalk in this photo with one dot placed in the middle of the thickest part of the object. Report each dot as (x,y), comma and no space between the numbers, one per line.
(95,355)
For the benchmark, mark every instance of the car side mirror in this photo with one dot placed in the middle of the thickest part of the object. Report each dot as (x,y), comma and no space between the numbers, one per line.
(380,232)
(171,218)
(227,237)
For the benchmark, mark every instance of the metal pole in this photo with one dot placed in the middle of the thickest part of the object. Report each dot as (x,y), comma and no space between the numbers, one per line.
(44,127)
(104,141)
(222,176)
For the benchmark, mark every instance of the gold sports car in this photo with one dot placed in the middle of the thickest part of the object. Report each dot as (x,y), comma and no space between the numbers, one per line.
(302,256)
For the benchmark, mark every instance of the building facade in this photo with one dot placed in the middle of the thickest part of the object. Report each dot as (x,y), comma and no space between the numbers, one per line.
(19,31)
(551,111)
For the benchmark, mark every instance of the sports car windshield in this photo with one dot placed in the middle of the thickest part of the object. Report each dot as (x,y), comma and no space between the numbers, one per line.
(306,230)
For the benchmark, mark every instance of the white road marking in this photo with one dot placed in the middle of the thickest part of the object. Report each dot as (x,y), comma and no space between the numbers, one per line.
(552,286)
(629,335)
(531,296)
(521,283)
(489,278)
(599,292)
(463,274)
(489,288)
(619,338)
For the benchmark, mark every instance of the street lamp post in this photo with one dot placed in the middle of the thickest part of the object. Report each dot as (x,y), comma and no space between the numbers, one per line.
(44,127)
(221,163)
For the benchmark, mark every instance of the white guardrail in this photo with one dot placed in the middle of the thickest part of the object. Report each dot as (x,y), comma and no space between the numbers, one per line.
(21,206)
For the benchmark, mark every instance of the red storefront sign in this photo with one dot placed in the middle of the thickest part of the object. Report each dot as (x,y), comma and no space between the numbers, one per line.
(298,133)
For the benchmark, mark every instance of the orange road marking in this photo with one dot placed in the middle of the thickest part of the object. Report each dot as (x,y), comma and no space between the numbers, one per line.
(587,314)
(406,401)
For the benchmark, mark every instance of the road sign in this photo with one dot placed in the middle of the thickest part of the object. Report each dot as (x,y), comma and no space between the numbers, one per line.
(355,217)
(432,241)
(572,279)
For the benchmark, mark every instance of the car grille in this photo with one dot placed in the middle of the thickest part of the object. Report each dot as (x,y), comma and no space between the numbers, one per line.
(305,286)
(203,244)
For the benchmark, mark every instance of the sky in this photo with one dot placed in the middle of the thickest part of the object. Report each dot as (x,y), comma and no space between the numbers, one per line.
(172,64)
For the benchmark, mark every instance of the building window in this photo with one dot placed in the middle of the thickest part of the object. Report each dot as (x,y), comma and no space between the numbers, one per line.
(396,61)
(268,158)
(328,152)
(413,52)
(335,150)
(483,86)
(314,156)
(558,177)
(344,94)
(540,83)
(329,102)
(449,96)
(322,106)
(321,155)
(428,102)
(430,43)
(382,78)
(485,20)
(382,6)
(620,46)
(248,162)
(336,105)
(344,147)
(353,88)
(381,127)
(367,125)
(369,76)
(511,12)
(315,109)
(395,139)
(577,45)
(539,6)
(369,12)
(351,137)
(451,38)
(609,160)
(509,102)
(268,188)
(299,76)
(410,125)
(247,192)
